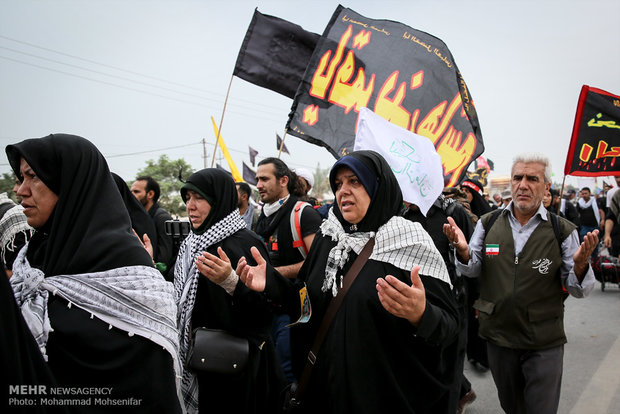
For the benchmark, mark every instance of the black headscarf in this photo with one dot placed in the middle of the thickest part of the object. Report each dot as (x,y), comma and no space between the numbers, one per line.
(376,176)
(141,222)
(218,188)
(89,229)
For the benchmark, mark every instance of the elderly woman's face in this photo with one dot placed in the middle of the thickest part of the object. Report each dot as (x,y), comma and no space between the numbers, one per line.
(198,208)
(37,199)
(351,196)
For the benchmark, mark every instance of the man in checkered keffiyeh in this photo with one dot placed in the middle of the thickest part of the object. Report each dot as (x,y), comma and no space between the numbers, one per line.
(14,230)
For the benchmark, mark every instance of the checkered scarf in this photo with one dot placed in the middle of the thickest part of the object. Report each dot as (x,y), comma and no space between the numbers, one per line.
(135,299)
(399,242)
(11,224)
(185,285)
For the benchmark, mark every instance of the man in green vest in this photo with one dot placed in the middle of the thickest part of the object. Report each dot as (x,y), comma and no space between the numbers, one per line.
(527,260)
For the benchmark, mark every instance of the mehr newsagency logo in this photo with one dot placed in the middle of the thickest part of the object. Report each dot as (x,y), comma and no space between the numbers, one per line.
(45,396)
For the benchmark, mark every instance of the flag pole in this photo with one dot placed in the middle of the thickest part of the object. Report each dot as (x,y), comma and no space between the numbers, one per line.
(282,143)
(561,194)
(219,130)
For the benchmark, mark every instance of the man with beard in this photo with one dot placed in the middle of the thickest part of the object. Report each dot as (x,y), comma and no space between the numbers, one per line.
(147,191)
(287,226)
(246,209)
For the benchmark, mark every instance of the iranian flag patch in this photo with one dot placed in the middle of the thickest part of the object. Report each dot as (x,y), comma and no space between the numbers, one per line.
(492,249)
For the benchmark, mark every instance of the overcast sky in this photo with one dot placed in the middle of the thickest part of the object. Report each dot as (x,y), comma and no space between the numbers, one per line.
(145,76)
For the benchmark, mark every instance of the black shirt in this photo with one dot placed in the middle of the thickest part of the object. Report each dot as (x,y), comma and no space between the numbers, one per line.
(280,242)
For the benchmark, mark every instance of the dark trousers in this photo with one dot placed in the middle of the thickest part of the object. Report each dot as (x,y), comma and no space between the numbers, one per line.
(281,336)
(528,381)
(476,346)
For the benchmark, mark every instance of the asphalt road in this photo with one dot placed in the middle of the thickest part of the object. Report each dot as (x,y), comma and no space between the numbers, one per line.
(591,380)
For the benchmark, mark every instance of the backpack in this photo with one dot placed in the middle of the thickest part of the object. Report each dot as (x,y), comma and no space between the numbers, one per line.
(295,220)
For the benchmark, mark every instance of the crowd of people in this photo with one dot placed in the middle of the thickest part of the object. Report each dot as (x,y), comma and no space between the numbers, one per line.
(361,305)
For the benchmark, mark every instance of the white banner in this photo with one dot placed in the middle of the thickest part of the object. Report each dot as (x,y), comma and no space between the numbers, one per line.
(412,157)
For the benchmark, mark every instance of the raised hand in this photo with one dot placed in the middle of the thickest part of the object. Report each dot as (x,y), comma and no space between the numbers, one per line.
(582,255)
(217,269)
(254,277)
(402,300)
(146,243)
(456,238)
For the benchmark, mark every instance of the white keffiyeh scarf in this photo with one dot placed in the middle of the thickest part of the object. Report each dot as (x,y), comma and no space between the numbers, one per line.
(399,242)
(272,208)
(185,285)
(591,203)
(135,299)
(11,224)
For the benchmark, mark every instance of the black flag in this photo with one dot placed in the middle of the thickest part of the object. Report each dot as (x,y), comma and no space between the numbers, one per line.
(281,143)
(253,154)
(275,53)
(248,175)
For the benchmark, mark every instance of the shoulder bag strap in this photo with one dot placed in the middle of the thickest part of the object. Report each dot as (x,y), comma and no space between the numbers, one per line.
(333,307)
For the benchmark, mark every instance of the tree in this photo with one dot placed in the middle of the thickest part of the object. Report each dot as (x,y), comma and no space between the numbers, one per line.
(321,183)
(6,184)
(166,172)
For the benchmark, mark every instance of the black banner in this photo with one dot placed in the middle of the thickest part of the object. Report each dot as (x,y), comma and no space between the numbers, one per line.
(404,75)
(274,54)
(595,142)
(249,175)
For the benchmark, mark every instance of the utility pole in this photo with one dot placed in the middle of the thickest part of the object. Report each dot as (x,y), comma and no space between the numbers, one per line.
(204,152)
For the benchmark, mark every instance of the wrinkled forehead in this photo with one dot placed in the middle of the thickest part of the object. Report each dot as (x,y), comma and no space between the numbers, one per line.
(529,168)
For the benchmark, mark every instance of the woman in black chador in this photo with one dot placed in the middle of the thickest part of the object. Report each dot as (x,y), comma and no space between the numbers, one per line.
(386,349)
(209,294)
(141,222)
(101,314)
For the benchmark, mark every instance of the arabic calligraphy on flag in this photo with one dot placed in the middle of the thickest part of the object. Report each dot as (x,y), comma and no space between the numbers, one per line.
(412,158)
(595,142)
(404,75)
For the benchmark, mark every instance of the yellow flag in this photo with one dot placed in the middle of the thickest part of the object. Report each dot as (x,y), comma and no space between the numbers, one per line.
(233,168)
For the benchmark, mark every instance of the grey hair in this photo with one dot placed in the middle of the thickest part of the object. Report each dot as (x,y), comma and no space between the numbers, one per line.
(528,158)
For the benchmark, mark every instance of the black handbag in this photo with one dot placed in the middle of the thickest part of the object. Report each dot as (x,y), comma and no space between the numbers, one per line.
(218,352)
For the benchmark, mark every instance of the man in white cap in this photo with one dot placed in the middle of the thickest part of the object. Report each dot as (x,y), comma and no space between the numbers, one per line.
(506,198)
(306,181)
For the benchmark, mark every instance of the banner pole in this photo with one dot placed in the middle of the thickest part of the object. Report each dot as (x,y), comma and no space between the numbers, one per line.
(282,143)
(219,131)
(561,193)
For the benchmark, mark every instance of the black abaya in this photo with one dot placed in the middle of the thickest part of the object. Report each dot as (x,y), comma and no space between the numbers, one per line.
(371,361)
(89,231)
(141,222)
(245,313)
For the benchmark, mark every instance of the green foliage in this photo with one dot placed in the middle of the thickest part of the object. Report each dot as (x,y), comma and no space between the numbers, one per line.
(166,172)
(6,184)
(321,186)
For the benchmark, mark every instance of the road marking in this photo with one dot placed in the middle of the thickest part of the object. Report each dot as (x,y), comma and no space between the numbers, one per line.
(602,388)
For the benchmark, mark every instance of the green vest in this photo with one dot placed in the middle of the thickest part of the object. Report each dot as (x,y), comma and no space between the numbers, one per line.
(521,299)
